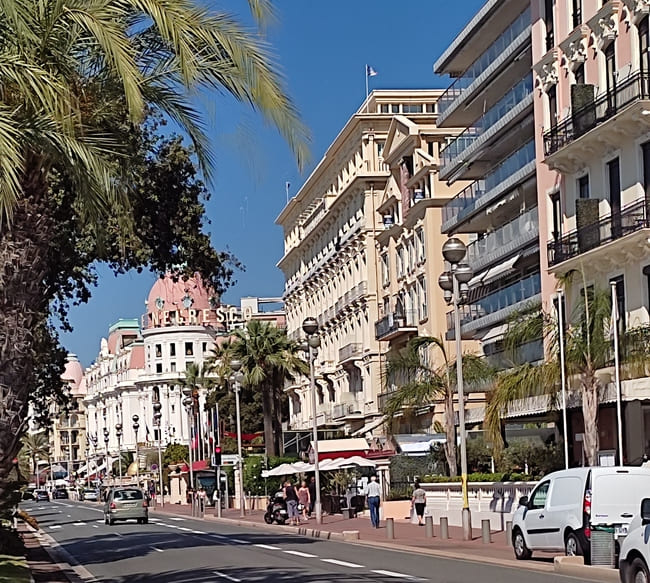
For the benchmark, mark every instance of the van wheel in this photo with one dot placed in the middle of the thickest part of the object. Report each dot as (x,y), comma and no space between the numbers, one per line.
(638,572)
(572,546)
(522,552)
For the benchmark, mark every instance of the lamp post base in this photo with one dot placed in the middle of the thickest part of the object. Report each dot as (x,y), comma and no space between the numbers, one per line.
(318,510)
(467,524)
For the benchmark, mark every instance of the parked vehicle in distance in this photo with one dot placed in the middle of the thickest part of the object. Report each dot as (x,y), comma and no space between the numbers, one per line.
(635,550)
(276,509)
(91,495)
(564,507)
(125,503)
(60,494)
(28,494)
(41,496)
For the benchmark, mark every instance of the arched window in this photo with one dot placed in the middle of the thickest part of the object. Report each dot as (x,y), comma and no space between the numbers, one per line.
(644,55)
(156,394)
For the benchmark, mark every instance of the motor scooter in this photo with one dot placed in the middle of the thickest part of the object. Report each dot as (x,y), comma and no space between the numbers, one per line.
(276,511)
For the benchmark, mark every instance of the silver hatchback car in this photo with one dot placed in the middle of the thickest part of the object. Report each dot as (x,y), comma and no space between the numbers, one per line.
(125,503)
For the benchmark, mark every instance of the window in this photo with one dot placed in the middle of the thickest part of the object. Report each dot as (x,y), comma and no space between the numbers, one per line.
(583,186)
(576,12)
(645,148)
(431,108)
(384,108)
(422,292)
(172,367)
(646,272)
(159,367)
(410,108)
(188,364)
(610,77)
(538,497)
(204,347)
(548,20)
(644,55)
(556,204)
(579,74)
(394,108)
(385,270)
(158,350)
(614,179)
(421,252)
(619,282)
(189,348)
(400,262)
(172,349)
(411,255)
(552,106)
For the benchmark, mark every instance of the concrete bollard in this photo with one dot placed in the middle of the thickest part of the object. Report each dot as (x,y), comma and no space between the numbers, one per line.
(485,532)
(428,526)
(390,528)
(444,527)
(509,533)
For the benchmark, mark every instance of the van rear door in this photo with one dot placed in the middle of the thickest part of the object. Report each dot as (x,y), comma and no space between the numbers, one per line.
(617,495)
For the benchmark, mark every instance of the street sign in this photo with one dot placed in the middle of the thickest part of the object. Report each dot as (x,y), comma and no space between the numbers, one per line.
(229,459)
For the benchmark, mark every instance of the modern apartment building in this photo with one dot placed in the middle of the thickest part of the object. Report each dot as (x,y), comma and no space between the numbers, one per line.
(331,258)
(491,98)
(592,114)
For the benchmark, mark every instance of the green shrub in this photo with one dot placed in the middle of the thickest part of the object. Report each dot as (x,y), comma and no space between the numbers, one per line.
(399,494)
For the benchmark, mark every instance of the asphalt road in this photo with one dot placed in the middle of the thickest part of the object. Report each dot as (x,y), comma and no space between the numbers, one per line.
(183,550)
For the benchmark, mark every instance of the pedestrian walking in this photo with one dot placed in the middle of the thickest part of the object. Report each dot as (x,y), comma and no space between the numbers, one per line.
(312,494)
(304,500)
(373,494)
(291,497)
(419,502)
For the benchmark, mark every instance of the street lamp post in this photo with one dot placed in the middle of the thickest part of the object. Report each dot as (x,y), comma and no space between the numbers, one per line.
(157,416)
(88,465)
(118,434)
(136,426)
(310,328)
(93,440)
(188,404)
(235,365)
(454,283)
(106,439)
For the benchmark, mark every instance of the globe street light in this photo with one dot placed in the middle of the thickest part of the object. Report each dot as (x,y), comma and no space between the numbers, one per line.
(187,403)
(136,426)
(237,378)
(454,284)
(157,416)
(118,434)
(106,438)
(310,328)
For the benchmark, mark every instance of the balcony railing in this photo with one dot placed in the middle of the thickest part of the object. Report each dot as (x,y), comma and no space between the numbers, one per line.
(476,193)
(630,219)
(474,71)
(391,324)
(603,108)
(344,409)
(509,238)
(350,350)
(491,117)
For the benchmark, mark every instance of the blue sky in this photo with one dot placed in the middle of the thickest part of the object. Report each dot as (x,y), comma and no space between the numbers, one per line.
(322,48)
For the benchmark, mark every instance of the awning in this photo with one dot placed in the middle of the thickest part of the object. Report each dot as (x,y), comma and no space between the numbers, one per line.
(418,443)
(494,272)
(327,465)
(368,427)
(333,448)
(495,334)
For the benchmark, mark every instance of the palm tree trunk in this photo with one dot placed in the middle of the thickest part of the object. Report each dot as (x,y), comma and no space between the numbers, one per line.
(23,309)
(267,409)
(450,433)
(590,443)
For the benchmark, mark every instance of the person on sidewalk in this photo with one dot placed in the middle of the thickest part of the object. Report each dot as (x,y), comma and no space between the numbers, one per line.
(304,500)
(373,494)
(312,494)
(291,497)
(419,502)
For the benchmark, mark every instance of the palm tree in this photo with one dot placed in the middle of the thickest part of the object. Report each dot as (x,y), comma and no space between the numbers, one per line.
(420,383)
(588,348)
(77,77)
(35,446)
(196,378)
(268,359)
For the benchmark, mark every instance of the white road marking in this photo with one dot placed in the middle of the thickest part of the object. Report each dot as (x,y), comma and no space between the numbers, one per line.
(218,536)
(99,521)
(197,532)
(391,574)
(224,576)
(55,526)
(78,524)
(241,542)
(183,528)
(301,554)
(342,563)
(68,516)
(157,550)
(176,518)
(60,511)
(95,526)
(268,547)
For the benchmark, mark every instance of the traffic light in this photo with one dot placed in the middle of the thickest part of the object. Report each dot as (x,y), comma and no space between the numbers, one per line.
(217,455)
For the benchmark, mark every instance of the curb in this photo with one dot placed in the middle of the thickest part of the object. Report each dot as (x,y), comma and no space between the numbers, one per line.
(575,567)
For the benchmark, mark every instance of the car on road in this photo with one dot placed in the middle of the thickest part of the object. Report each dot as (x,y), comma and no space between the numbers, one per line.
(91,495)
(124,504)
(566,506)
(28,494)
(635,550)
(41,496)
(60,494)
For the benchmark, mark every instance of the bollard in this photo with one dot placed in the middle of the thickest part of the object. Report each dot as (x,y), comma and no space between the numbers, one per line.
(485,531)
(444,527)
(390,528)
(428,526)
(509,533)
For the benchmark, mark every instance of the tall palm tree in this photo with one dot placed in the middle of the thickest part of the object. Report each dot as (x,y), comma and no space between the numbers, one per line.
(419,383)
(268,359)
(76,77)
(588,348)
(35,446)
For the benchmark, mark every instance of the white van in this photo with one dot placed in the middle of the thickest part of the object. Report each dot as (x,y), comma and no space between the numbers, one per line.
(635,550)
(565,505)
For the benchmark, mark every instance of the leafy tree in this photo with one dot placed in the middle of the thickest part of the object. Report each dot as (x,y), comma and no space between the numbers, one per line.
(82,79)
(35,447)
(174,453)
(420,383)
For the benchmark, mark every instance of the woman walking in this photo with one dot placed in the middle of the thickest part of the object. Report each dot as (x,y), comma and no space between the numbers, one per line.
(419,501)
(291,497)
(304,499)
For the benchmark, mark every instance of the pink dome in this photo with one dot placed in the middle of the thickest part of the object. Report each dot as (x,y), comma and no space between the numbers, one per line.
(73,372)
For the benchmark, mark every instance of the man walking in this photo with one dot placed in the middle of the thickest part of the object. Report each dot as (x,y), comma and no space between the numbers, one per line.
(373,493)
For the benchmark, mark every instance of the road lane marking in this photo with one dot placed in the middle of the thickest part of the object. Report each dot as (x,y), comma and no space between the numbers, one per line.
(342,563)
(219,536)
(55,526)
(184,529)
(176,518)
(68,516)
(267,547)
(224,576)
(301,554)
(78,524)
(197,532)
(239,541)
(99,521)
(391,574)
(157,550)
(95,526)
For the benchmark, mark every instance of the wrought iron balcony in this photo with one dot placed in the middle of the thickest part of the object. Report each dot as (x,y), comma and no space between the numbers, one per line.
(605,107)
(630,219)
(392,325)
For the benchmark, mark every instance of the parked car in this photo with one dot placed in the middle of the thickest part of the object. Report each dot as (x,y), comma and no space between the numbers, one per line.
(60,494)
(635,550)
(91,495)
(126,503)
(564,507)
(29,494)
(41,496)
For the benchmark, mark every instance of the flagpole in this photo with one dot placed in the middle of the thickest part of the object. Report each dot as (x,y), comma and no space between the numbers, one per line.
(560,317)
(617,376)
(367,94)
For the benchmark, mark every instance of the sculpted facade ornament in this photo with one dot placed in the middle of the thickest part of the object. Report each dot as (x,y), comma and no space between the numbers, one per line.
(635,10)
(575,47)
(547,72)
(604,24)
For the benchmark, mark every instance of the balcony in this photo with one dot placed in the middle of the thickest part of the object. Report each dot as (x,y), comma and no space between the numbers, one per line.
(504,241)
(350,351)
(350,409)
(602,124)
(393,325)
(383,398)
(497,306)
(631,219)
(506,175)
